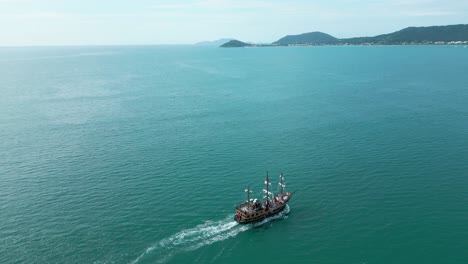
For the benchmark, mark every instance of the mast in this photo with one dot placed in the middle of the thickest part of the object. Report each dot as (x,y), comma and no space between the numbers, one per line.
(248,192)
(267,190)
(281,184)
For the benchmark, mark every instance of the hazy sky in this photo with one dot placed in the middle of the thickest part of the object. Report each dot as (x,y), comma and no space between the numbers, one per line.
(102,22)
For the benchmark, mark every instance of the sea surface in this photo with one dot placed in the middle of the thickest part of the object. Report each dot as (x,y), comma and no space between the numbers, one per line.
(139,154)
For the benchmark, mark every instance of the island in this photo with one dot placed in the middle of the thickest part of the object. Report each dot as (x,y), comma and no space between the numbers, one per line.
(311,38)
(235,44)
(434,35)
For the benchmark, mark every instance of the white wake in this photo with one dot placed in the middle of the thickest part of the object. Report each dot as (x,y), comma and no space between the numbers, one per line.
(204,234)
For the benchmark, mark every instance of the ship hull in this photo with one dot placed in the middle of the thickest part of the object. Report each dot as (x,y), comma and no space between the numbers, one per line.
(259,218)
(260,214)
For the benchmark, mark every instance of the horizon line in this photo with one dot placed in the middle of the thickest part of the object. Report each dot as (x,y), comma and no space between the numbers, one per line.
(195,43)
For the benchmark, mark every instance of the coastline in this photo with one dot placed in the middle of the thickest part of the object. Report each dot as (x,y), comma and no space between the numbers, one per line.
(349,45)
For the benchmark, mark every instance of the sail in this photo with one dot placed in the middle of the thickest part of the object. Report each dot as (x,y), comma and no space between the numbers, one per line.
(247,194)
(281,185)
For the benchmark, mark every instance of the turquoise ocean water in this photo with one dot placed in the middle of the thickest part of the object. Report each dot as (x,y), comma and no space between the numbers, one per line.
(139,154)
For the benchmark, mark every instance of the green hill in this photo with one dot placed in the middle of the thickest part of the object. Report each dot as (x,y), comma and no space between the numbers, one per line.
(312,38)
(421,34)
(410,35)
(416,35)
(452,34)
(235,44)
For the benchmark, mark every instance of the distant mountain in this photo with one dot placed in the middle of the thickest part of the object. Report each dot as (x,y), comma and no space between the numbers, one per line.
(312,38)
(452,34)
(217,42)
(236,44)
(416,35)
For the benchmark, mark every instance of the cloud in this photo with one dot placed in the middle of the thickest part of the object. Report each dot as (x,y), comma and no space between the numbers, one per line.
(177,21)
(227,5)
(37,15)
(14,1)
(428,13)
(413,2)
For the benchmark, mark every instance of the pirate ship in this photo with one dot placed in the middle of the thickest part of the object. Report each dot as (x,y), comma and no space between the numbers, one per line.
(253,210)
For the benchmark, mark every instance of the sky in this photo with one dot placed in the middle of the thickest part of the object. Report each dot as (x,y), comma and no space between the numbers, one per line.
(145,22)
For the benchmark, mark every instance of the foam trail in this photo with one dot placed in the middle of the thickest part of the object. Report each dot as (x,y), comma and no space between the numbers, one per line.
(193,238)
(202,235)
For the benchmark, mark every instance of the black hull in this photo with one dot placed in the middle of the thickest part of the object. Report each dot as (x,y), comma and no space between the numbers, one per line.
(259,218)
